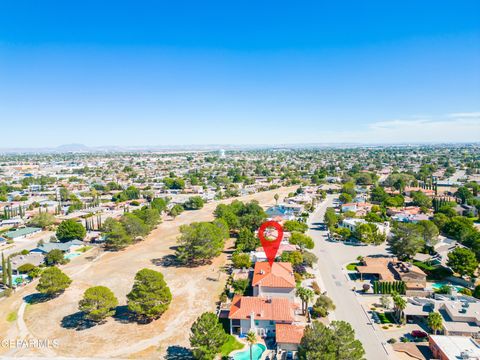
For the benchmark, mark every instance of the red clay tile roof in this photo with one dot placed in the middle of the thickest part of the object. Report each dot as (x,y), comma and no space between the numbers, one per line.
(275,309)
(279,275)
(288,334)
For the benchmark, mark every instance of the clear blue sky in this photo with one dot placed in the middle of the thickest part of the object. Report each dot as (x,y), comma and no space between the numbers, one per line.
(238,72)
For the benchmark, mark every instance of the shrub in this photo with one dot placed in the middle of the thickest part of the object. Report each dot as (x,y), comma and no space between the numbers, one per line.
(240,286)
(316,288)
(26,268)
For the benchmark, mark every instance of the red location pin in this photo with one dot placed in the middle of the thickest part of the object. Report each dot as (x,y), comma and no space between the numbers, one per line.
(270,247)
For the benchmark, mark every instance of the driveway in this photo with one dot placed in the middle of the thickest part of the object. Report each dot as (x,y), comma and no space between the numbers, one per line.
(331,259)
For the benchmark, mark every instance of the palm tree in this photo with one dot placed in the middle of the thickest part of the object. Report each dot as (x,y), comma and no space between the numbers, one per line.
(276,197)
(399,304)
(251,340)
(306,295)
(435,321)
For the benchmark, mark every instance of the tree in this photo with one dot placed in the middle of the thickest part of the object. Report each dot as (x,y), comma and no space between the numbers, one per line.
(176,210)
(194,203)
(306,295)
(385,301)
(160,204)
(251,339)
(116,236)
(134,226)
(199,242)
(335,342)
(276,197)
(435,321)
(323,306)
(421,200)
(331,218)
(294,225)
(302,240)
(53,281)
(98,303)
(463,261)
(150,295)
(345,198)
(70,230)
(4,270)
(399,305)
(207,336)
(429,232)
(459,228)
(55,257)
(463,193)
(293,257)
(247,241)
(42,220)
(407,240)
(149,216)
(241,260)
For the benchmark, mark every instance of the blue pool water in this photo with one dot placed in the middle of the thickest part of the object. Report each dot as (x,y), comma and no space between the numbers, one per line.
(438,285)
(71,255)
(257,351)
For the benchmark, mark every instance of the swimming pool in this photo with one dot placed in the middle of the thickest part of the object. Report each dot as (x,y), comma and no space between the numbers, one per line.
(438,285)
(71,255)
(257,351)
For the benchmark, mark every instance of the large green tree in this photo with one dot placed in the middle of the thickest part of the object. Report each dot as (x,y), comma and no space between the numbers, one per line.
(116,236)
(463,261)
(435,321)
(335,342)
(199,242)
(150,295)
(53,281)
(207,336)
(70,230)
(407,240)
(98,303)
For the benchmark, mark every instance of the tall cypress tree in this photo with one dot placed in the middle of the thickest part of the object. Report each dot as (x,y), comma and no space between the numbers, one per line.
(10,278)
(4,270)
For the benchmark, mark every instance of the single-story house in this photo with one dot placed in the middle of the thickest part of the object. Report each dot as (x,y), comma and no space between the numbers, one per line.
(33,258)
(22,233)
(66,247)
(453,347)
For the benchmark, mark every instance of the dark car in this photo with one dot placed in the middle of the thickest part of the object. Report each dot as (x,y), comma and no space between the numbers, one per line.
(419,334)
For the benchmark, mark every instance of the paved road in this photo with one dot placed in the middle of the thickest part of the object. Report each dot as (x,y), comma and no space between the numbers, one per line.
(340,289)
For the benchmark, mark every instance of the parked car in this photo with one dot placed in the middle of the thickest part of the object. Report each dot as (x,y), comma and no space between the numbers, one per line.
(419,334)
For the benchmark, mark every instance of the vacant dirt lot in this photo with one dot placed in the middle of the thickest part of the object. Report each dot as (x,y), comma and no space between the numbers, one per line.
(194,292)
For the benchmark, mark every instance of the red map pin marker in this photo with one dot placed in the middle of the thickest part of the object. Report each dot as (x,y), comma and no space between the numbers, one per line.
(270,247)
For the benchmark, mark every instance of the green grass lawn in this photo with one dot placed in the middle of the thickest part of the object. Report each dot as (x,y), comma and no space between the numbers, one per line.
(84,249)
(352,266)
(386,318)
(12,316)
(231,345)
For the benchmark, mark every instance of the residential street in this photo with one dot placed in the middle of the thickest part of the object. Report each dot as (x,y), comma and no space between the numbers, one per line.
(332,257)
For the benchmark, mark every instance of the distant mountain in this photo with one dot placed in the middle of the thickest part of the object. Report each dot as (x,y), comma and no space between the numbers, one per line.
(73,148)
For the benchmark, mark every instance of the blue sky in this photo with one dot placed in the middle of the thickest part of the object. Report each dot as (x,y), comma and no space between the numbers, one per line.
(245,72)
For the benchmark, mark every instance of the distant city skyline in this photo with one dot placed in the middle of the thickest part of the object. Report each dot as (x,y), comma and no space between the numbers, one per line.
(110,74)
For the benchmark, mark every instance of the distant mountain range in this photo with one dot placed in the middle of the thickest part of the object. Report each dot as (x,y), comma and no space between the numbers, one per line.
(81,148)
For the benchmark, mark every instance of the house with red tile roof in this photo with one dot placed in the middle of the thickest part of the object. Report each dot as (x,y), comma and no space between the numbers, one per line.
(288,336)
(274,281)
(259,314)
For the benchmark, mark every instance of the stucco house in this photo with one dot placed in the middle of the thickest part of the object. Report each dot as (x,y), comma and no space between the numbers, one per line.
(274,281)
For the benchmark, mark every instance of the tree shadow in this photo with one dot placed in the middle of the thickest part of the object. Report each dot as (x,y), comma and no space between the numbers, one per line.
(176,352)
(166,261)
(77,322)
(124,316)
(37,298)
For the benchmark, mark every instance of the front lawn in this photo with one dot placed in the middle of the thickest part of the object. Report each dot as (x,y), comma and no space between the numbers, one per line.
(386,318)
(353,266)
(231,345)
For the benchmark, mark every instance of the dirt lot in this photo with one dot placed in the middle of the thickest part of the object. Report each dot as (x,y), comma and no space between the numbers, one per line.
(194,292)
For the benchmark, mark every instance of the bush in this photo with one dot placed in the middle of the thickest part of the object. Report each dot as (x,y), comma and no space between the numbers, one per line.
(392,341)
(316,288)
(241,260)
(70,230)
(240,286)
(26,268)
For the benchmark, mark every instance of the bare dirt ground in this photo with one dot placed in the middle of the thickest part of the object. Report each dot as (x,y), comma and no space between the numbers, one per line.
(194,290)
